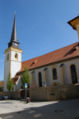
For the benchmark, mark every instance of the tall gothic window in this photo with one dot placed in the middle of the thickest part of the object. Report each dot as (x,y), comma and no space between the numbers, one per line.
(54,72)
(73,74)
(40,79)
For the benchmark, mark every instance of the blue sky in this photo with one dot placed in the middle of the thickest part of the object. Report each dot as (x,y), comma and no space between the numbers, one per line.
(41,26)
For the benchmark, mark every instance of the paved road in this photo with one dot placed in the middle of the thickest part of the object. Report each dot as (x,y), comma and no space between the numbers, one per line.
(39,110)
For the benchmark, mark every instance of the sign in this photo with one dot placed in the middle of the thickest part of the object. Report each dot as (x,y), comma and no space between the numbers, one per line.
(25,85)
(44,84)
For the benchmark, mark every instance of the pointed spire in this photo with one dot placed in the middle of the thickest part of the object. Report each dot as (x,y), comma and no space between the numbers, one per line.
(14,37)
(14,42)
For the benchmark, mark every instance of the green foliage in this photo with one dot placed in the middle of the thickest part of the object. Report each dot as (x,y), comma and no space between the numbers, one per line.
(10,83)
(25,77)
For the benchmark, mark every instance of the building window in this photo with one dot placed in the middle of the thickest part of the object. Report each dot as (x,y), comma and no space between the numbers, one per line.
(73,74)
(54,71)
(16,56)
(40,79)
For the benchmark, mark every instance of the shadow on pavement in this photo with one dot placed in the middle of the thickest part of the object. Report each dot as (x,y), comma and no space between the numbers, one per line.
(62,110)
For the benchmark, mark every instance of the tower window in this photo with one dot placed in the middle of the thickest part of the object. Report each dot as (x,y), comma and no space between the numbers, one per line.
(16,56)
(54,71)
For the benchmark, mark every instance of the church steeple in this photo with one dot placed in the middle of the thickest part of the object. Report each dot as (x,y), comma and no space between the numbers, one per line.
(13,57)
(14,42)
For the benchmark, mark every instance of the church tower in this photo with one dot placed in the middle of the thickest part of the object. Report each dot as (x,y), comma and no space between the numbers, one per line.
(13,57)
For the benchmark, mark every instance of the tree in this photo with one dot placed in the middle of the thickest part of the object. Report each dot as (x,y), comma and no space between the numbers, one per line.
(25,78)
(10,83)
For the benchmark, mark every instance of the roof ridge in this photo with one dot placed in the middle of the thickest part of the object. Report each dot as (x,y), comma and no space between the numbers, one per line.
(50,52)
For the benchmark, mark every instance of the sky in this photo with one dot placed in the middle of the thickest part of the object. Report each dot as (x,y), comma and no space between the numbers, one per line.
(41,26)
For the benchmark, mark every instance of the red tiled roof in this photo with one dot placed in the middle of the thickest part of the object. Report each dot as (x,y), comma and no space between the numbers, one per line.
(15,79)
(65,53)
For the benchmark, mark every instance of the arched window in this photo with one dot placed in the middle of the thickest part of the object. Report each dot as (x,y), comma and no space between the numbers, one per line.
(16,56)
(73,74)
(40,79)
(54,72)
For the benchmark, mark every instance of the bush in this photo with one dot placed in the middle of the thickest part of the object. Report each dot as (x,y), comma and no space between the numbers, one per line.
(10,84)
(25,78)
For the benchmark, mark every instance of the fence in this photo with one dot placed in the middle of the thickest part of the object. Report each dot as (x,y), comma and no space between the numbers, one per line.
(58,92)
(51,93)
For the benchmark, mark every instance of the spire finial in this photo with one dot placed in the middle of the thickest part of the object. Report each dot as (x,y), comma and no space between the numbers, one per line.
(15,15)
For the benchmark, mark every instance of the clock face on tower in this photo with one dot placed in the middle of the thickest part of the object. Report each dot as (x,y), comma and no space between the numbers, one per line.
(16,44)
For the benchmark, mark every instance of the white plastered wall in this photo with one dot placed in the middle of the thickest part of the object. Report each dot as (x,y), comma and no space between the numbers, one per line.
(12,65)
(66,71)
(6,70)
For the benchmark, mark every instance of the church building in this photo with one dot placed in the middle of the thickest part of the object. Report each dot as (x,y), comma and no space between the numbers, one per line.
(57,67)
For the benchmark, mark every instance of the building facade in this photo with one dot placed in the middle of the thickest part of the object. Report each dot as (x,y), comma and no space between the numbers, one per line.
(58,67)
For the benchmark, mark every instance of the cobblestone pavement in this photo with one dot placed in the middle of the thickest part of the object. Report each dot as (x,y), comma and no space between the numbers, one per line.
(39,110)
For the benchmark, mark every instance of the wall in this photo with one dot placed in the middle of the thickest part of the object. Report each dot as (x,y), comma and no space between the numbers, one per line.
(15,63)
(12,64)
(63,77)
(51,93)
(67,72)
(6,70)
(11,95)
(63,74)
